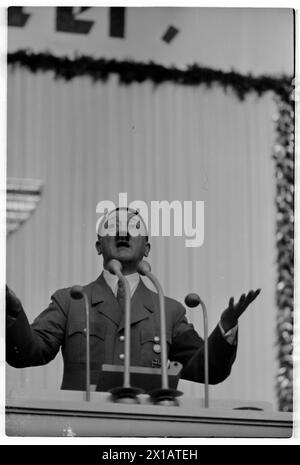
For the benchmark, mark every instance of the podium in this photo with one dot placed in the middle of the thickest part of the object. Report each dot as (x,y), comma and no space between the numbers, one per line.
(66,413)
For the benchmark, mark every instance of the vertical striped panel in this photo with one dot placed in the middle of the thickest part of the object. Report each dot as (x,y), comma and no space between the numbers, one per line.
(89,141)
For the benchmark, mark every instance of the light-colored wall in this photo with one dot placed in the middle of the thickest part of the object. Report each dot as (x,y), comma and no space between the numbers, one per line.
(89,141)
(255,40)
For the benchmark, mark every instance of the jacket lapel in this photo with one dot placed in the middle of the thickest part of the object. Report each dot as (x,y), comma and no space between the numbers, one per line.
(104,301)
(142,305)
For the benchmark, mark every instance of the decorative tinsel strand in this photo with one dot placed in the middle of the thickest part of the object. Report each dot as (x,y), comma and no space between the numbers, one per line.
(132,71)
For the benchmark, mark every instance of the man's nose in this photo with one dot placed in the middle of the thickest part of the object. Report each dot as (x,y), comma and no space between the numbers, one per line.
(122,233)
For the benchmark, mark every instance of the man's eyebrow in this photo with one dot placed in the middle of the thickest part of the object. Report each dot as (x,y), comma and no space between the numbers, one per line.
(114,215)
(129,215)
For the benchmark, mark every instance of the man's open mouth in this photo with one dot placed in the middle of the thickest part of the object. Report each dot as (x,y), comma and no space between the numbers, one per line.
(122,243)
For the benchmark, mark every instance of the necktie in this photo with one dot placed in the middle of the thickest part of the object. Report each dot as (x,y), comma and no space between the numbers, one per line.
(121,294)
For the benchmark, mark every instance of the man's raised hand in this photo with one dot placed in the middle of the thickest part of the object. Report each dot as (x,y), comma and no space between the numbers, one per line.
(230,316)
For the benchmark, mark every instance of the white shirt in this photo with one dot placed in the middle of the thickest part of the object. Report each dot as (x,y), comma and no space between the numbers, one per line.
(133,281)
(112,280)
(230,336)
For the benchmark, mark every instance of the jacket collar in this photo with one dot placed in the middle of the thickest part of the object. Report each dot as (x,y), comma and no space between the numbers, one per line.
(112,280)
(142,302)
(100,290)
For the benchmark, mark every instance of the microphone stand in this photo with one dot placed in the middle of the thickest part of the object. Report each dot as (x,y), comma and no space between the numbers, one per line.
(77,292)
(125,393)
(164,395)
(193,300)
(205,325)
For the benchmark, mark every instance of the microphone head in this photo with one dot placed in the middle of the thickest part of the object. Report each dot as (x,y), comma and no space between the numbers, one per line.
(114,266)
(144,268)
(192,300)
(76,292)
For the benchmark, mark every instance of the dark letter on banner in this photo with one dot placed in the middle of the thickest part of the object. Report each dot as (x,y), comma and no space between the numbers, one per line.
(16,17)
(66,22)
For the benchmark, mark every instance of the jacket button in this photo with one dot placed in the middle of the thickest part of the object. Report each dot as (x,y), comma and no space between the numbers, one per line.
(122,356)
(156,339)
(122,338)
(157,348)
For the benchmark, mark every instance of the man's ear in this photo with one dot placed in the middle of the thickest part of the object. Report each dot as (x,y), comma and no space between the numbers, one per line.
(98,246)
(147,249)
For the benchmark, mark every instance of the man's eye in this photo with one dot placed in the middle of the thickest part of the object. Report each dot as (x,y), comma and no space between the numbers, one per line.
(133,222)
(109,226)
(133,225)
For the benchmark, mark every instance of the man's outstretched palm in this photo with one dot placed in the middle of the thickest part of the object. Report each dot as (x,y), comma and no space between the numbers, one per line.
(230,316)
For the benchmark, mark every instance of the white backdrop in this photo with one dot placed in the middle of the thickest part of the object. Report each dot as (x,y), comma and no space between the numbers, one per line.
(89,141)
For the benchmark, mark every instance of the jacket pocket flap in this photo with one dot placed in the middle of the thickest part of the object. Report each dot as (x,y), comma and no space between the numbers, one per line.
(96,329)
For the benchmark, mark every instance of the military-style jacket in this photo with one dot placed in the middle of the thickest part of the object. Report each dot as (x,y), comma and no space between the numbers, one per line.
(62,326)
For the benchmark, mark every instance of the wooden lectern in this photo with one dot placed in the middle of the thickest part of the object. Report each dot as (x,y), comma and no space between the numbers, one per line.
(67,413)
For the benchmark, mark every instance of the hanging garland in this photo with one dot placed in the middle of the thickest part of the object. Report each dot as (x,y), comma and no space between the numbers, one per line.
(132,71)
(284,169)
(282,87)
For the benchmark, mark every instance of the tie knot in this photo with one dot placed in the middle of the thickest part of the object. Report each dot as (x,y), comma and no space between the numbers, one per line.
(120,284)
(121,290)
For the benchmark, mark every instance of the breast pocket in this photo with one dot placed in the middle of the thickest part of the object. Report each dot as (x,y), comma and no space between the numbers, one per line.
(151,348)
(76,342)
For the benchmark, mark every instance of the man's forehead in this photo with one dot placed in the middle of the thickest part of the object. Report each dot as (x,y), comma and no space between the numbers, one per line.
(121,214)
(124,219)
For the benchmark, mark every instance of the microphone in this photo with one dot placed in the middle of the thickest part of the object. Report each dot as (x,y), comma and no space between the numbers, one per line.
(115,267)
(77,293)
(165,395)
(125,393)
(193,300)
